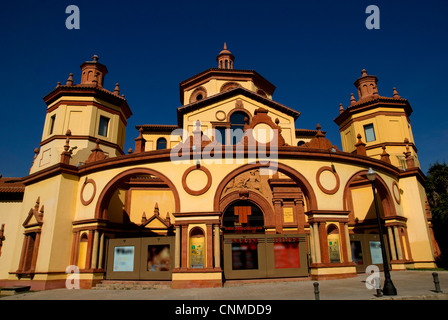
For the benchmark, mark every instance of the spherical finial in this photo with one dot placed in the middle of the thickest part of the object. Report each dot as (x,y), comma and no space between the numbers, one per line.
(364,72)
(95,58)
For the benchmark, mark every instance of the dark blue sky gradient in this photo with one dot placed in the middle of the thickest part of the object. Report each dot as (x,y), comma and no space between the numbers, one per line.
(312,51)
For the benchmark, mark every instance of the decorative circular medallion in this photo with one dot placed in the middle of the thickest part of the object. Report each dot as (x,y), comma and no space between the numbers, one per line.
(328,180)
(88,192)
(396,192)
(196,180)
(220,115)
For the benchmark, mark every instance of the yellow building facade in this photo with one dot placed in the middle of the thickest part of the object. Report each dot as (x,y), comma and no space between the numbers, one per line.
(232,191)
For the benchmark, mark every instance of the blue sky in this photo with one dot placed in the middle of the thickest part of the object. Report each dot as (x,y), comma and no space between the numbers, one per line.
(312,51)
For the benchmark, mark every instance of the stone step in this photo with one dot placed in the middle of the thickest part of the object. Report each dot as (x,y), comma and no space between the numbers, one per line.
(132,285)
(9,291)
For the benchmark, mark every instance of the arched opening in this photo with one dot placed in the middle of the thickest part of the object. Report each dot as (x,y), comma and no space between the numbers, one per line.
(263,222)
(237,122)
(82,251)
(161,144)
(333,243)
(243,216)
(309,197)
(197,248)
(122,182)
(358,199)
(136,207)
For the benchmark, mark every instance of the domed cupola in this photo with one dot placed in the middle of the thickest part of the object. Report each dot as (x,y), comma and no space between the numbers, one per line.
(225,59)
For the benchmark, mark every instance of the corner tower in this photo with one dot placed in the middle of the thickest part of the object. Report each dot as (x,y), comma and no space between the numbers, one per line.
(81,118)
(381,124)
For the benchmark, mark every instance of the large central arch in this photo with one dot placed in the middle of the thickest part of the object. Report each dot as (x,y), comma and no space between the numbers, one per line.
(301,181)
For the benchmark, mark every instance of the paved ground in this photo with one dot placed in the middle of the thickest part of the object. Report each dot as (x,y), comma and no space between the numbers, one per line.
(415,285)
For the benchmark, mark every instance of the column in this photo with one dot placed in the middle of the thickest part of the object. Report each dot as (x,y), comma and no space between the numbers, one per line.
(89,251)
(184,247)
(177,249)
(209,246)
(95,250)
(317,243)
(398,243)
(300,215)
(391,243)
(101,254)
(347,240)
(323,243)
(217,251)
(74,255)
(278,211)
(312,244)
(344,248)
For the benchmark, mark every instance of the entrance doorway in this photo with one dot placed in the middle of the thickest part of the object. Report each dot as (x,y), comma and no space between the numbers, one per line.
(250,253)
(366,250)
(140,258)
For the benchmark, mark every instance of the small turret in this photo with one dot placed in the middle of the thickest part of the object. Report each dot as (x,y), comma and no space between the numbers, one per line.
(93,72)
(225,59)
(367,86)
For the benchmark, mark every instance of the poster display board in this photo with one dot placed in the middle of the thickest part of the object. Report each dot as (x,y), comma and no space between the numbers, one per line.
(124,259)
(197,252)
(375,252)
(158,258)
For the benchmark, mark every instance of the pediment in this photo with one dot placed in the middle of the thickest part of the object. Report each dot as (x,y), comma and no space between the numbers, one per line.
(156,222)
(35,216)
(216,102)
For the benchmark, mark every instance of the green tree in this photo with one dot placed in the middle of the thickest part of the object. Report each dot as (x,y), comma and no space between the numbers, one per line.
(437,193)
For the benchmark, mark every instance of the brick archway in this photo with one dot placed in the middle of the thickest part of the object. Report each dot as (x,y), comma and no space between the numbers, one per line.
(301,181)
(384,193)
(255,198)
(109,189)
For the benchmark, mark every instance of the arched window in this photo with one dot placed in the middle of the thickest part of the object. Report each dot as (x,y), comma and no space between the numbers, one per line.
(161,143)
(243,216)
(237,126)
(333,244)
(300,143)
(82,251)
(197,248)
